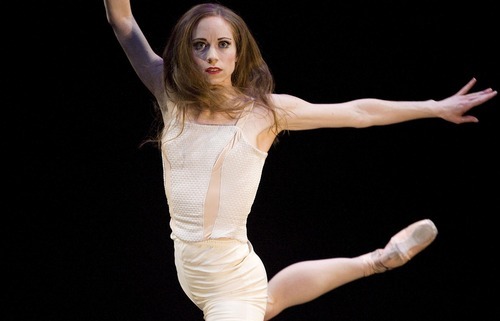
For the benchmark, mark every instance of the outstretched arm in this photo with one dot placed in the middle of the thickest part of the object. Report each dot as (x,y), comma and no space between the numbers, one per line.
(373,112)
(146,63)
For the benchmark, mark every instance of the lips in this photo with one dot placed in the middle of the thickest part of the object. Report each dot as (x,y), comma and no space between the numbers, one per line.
(213,70)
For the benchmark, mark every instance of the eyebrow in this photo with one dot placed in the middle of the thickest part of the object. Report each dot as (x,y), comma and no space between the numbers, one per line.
(221,38)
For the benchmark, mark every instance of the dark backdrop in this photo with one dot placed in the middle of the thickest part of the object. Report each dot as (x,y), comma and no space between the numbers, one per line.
(90,240)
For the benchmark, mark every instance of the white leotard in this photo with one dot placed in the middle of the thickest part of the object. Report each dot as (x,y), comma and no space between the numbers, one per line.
(211,176)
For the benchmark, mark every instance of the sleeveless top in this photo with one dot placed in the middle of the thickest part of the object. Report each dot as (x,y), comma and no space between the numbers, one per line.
(211,174)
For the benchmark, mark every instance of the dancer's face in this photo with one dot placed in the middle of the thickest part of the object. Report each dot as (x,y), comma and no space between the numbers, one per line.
(214,49)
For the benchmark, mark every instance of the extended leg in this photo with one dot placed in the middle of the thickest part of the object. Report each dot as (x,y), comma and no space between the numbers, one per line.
(305,281)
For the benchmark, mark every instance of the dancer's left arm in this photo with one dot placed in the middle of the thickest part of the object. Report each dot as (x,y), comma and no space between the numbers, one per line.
(366,112)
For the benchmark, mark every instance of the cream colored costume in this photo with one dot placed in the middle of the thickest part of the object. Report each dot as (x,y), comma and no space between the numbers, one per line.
(211,176)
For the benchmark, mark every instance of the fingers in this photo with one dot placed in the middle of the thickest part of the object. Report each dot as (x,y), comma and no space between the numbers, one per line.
(471,100)
(484,96)
(465,89)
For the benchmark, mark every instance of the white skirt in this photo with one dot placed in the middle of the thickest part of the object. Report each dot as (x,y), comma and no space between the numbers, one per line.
(226,279)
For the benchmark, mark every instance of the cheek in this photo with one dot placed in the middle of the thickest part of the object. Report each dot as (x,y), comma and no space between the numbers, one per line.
(231,58)
(198,60)
(196,55)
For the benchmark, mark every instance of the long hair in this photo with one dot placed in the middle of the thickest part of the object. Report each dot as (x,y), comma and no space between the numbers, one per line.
(189,90)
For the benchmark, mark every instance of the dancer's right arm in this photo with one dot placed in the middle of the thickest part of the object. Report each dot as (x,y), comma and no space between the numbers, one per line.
(146,63)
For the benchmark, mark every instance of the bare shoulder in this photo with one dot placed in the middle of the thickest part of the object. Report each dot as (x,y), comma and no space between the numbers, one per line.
(287,106)
(285,101)
(167,109)
(258,127)
(262,116)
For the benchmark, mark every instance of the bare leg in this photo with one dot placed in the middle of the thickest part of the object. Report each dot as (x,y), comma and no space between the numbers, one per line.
(305,281)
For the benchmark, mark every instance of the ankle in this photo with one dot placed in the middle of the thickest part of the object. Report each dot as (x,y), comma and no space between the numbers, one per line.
(372,263)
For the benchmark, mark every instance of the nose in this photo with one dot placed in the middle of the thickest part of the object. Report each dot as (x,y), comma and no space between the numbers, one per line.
(212,60)
(212,56)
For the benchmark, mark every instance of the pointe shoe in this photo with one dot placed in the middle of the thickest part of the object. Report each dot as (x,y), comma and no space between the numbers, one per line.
(402,247)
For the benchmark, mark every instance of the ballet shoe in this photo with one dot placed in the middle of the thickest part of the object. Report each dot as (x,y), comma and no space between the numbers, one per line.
(402,247)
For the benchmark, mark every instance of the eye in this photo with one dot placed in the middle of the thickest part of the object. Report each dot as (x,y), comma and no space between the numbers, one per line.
(199,45)
(224,44)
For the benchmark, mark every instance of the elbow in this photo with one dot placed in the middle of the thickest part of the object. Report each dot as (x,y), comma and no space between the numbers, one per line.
(361,119)
(122,26)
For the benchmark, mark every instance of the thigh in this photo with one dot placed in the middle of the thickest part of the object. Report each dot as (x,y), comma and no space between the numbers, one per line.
(225,279)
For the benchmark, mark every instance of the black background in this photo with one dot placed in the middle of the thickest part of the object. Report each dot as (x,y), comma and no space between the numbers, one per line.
(90,236)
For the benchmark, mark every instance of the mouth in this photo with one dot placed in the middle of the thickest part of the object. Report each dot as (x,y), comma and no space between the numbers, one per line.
(213,70)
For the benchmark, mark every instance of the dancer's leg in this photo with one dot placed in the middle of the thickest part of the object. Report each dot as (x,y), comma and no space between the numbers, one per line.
(305,281)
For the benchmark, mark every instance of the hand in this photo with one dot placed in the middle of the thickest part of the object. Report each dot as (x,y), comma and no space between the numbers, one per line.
(454,108)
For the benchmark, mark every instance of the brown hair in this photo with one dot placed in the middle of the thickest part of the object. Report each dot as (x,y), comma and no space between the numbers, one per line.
(189,89)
